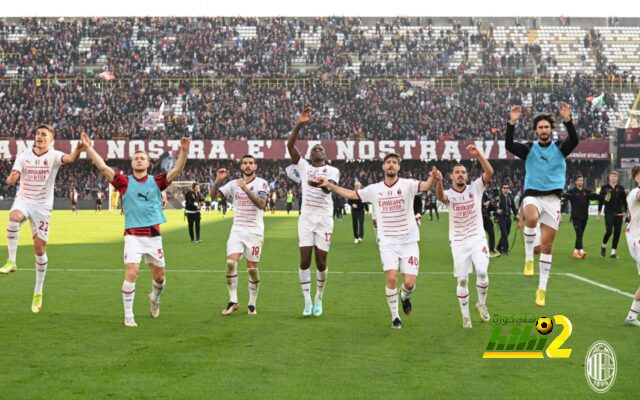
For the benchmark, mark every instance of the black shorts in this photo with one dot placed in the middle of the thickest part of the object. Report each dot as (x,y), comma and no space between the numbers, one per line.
(98,202)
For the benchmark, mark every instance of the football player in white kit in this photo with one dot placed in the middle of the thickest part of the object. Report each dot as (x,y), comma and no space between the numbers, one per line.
(36,168)
(466,232)
(249,196)
(633,241)
(315,225)
(398,234)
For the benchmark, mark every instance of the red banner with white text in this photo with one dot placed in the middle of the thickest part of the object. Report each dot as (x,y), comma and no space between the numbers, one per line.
(277,149)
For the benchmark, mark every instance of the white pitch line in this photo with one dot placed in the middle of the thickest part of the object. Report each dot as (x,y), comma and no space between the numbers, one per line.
(212,271)
(598,284)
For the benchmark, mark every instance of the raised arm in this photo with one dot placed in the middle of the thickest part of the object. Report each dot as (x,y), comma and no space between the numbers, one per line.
(517,149)
(75,154)
(486,166)
(428,184)
(305,117)
(567,146)
(259,201)
(221,175)
(95,157)
(440,194)
(346,193)
(182,159)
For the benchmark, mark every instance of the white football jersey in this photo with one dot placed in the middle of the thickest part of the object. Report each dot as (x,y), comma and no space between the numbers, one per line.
(315,202)
(38,176)
(634,212)
(248,217)
(393,208)
(465,213)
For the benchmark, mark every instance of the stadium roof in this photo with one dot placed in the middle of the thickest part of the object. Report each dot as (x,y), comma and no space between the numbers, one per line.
(460,8)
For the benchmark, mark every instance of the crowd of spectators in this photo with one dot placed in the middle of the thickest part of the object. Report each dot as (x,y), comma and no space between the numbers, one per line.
(51,57)
(255,47)
(594,42)
(366,109)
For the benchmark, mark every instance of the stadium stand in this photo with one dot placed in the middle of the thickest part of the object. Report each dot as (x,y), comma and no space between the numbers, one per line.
(240,78)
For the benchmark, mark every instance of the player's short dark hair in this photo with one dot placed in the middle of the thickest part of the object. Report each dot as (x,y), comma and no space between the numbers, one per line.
(579,176)
(248,156)
(459,165)
(47,127)
(544,117)
(635,171)
(391,155)
(194,185)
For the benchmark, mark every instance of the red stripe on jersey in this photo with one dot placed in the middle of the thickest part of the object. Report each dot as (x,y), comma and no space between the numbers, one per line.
(147,231)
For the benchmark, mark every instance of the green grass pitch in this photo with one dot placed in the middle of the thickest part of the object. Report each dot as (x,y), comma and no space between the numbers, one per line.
(78,348)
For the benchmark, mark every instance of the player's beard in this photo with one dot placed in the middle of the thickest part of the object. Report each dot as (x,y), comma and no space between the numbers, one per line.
(547,139)
(390,174)
(248,175)
(461,185)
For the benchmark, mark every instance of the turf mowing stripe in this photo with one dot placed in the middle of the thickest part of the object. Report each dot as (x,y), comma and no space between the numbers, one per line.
(213,271)
(197,271)
(598,284)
